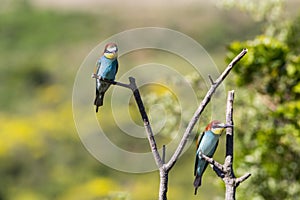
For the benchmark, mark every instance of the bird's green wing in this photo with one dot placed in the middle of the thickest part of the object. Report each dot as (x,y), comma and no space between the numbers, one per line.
(200,137)
(210,154)
(117,66)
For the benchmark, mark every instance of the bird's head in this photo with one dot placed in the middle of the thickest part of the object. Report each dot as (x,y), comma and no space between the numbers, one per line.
(217,127)
(111,51)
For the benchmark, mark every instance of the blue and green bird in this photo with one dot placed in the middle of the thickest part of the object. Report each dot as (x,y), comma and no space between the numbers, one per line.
(207,144)
(106,69)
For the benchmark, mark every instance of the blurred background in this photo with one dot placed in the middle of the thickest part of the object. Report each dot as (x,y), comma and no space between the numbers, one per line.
(44,42)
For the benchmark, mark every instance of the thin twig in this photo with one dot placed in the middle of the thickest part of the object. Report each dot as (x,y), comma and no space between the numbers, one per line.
(217,167)
(211,79)
(164,154)
(211,161)
(242,179)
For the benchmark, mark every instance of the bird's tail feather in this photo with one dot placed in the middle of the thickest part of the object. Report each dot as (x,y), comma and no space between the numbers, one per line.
(195,193)
(197,183)
(96,98)
(99,101)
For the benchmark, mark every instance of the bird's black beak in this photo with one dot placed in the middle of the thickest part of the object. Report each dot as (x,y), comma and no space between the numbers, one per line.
(227,126)
(223,125)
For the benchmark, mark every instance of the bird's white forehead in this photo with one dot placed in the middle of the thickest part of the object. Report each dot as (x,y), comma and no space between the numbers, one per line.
(112,48)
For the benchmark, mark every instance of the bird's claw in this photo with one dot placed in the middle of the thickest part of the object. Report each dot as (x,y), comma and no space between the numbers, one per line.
(200,154)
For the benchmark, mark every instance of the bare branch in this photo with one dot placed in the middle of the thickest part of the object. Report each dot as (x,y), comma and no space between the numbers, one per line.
(200,109)
(132,85)
(211,161)
(229,131)
(164,154)
(129,86)
(147,125)
(242,179)
(163,185)
(229,177)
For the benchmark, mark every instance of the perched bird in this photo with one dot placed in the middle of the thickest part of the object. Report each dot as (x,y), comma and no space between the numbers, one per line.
(207,144)
(106,69)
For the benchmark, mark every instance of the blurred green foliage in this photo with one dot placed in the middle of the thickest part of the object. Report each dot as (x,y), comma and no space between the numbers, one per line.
(28,39)
(269,131)
(265,65)
(41,156)
(293,36)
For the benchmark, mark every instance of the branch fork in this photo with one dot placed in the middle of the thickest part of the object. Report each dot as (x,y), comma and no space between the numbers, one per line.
(211,79)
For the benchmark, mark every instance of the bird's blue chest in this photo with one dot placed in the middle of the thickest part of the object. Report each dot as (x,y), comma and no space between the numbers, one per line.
(208,142)
(107,68)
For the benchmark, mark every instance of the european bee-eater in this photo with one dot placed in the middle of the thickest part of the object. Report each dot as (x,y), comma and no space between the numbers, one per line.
(207,144)
(106,69)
